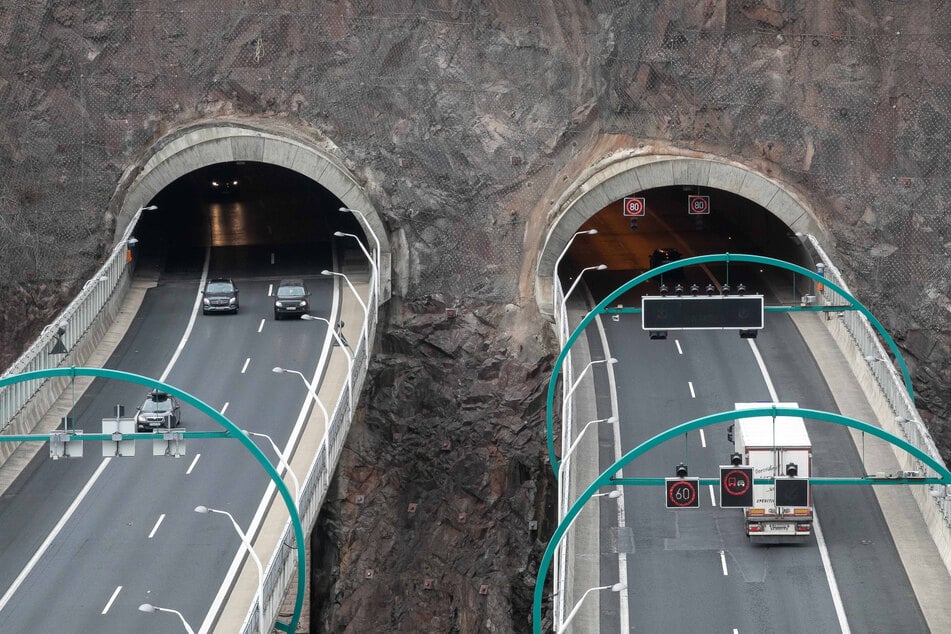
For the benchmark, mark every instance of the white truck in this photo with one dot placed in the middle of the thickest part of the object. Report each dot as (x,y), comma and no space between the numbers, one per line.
(778,449)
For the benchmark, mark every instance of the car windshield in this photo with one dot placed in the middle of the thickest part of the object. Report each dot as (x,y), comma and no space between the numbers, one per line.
(219,287)
(291,291)
(157,407)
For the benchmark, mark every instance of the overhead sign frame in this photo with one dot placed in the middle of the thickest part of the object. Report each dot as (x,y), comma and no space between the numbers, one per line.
(702,312)
(698,205)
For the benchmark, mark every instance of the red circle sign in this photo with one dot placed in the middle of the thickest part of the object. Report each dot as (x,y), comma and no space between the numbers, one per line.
(736,482)
(682,493)
(698,204)
(634,206)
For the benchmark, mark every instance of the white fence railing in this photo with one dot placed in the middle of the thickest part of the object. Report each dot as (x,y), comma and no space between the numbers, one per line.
(80,327)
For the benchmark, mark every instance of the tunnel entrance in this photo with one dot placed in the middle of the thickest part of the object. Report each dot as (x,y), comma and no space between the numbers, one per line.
(748,213)
(238,187)
(250,214)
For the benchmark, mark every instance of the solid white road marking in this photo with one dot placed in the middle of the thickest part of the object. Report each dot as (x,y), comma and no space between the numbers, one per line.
(703,438)
(261,327)
(270,290)
(823,551)
(114,595)
(157,524)
(225,408)
(723,563)
(679,349)
(692,393)
(713,497)
(246,363)
(192,465)
(53,533)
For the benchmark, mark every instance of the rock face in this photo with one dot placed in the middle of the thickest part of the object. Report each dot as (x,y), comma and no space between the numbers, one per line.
(437,516)
(463,122)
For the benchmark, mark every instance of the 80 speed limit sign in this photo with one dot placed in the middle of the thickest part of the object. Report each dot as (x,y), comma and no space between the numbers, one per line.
(698,205)
(634,207)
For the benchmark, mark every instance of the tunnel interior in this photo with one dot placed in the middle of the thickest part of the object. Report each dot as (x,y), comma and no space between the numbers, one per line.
(666,231)
(254,216)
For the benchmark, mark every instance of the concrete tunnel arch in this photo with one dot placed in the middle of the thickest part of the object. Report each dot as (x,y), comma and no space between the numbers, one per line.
(188,149)
(627,172)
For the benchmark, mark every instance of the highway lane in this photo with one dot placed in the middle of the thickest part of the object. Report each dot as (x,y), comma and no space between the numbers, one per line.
(135,538)
(677,554)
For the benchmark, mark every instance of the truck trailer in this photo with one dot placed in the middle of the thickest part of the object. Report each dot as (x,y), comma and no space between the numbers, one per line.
(778,449)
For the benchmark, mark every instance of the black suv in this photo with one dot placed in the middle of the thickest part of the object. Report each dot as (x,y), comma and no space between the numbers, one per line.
(291,299)
(159,411)
(220,296)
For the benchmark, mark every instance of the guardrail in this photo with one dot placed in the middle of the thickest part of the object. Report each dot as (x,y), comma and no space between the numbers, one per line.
(893,403)
(562,573)
(80,327)
(281,568)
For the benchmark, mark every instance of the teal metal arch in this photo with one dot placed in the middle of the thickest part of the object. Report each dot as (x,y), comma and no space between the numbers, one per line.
(218,418)
(607,477)
(703,259)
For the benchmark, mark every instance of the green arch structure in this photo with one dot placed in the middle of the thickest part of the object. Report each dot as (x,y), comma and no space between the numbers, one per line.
(703,259)
(606,478)
(236,433)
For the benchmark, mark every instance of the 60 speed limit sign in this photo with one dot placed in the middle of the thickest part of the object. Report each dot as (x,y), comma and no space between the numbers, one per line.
(635,207)
(698,205)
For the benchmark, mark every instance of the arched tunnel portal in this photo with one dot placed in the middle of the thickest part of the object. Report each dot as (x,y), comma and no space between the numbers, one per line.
(196,150)
(749,212)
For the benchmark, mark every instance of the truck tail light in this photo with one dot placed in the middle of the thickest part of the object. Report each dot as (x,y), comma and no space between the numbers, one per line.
(757,512)
(754,528)
(805,511)
(803,528)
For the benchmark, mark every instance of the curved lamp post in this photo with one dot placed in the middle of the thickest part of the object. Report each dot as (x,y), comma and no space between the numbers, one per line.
(600,267)
(343,346)
(554,277)
(281,461)
(617,587)
(366,225)
(254,555)
(148,607)
(363,305)
(310,390)
(564,459)
(373,265)
(574,386)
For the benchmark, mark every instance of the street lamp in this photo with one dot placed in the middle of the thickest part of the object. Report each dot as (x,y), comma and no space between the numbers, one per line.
(254,555)
(346,350)
(310,390)
(148,607)
(281,461)
(564,459)
(564,402)
(589,232)
(617,587)
(600,267)
(366,312)
(373,266)
(366,224)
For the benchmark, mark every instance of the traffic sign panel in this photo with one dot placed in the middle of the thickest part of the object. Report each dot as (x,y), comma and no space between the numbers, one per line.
(682,493)
(698,205)
(792,491)
(635,206)
(702,312)
(736,486)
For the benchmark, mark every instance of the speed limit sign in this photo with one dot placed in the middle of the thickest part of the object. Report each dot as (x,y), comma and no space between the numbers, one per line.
(634,207)
(698,205)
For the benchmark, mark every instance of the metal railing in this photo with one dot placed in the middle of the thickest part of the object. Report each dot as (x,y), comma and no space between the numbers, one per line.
(562,571)
(879,364)
(79,327)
